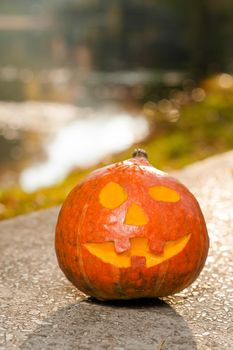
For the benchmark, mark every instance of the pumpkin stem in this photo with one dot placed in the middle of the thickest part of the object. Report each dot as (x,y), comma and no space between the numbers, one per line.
(139,152)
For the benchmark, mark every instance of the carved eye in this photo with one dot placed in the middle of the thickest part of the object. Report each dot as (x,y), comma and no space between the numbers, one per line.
(164,194)
(112,195)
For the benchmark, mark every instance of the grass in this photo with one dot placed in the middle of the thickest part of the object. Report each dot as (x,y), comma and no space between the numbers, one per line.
(187,127)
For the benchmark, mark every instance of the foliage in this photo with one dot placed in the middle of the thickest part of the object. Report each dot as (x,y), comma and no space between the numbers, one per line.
(202,130)
(187,127)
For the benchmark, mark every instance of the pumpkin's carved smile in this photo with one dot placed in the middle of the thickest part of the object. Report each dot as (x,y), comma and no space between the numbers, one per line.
(139,248)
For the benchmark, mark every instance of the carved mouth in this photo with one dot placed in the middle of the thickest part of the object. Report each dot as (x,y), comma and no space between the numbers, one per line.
(139,248)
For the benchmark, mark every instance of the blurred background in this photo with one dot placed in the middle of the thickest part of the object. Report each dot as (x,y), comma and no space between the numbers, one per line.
(83,82)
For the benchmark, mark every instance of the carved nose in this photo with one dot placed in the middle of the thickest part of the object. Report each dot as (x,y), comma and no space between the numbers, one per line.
(135,216)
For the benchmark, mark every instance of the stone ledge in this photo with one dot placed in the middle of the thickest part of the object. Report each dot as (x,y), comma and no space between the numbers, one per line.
(40,309)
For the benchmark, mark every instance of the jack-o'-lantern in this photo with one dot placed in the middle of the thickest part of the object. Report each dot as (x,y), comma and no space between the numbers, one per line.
(129,231)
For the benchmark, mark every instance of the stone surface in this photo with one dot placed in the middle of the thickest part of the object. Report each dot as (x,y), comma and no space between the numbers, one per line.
(40,309)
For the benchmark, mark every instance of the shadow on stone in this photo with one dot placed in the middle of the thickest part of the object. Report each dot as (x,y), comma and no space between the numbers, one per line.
(118,325)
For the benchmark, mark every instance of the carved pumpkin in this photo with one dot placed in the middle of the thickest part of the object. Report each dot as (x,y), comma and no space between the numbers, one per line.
(129,231)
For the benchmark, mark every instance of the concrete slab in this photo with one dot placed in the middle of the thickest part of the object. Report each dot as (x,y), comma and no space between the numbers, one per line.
(41,310)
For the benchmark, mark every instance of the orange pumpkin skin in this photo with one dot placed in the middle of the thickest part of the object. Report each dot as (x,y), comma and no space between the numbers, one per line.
(83,220)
